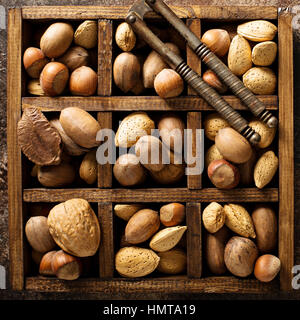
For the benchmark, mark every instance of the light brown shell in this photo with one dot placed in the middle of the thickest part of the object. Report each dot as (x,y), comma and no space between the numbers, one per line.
(239,220)
(126,210)
(264,53)
(86,35)
(88,168)
(260,80)
(38,235)
(75,227)
(135,262)
(39,141)
(172,262)
(265,169)
(266,133)
(170,174)
(80,126)
(212,124)
(56,39)
(239,56)
(132,127)
(213,217)
(257,30)
(167,238)
(125,37)
(211,155)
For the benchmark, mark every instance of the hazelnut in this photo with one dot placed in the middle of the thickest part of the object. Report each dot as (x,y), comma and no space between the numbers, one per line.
(217,40)
(168,84)
(34,61)
(212,79)
(65,266)
(223,174)
(266,267)
(54,78)
(172,214)
(45,268)
(83,81)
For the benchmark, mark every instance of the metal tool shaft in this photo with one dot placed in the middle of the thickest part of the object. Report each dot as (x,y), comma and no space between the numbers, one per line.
(193,79)
(215,64)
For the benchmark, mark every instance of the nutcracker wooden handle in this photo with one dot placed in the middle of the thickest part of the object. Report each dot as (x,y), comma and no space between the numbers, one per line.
(215,64)
(193,79)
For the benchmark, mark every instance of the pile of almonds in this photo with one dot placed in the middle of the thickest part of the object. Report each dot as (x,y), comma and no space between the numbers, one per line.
(135,132)
(151,240)
(62,237)
(228,246)
(232,161)
(63,149)
(249,52)
(63,60)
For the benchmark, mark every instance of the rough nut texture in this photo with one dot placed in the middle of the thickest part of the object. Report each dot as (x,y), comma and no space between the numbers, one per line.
(125,37)
(266,134)
(167,238)
(75,227)
(213,217)
(239,56)
(258,30)
(260,80)
(212,154)
(39,141)
(86,34)
(135,262)
(264,53)
(265,169)
(212,124)
(132,128)
(239,221)
(172,262)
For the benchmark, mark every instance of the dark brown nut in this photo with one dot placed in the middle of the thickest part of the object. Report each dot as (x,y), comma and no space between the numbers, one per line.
(214,250)
(39,141)
(83,81)
(56,176)
(75,57)
(172,214)
(212,79)
(168,84)
(267,267)
(45,268)
(265,223)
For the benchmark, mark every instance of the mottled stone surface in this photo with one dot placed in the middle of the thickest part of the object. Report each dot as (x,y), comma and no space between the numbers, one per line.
(4,252)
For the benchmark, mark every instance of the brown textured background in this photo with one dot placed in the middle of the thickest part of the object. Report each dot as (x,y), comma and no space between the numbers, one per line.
(4,248)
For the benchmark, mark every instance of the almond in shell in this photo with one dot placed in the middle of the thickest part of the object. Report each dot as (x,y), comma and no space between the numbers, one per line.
(239,56)
(264,53)
(135,262)
(172,262)
(167,238)
(239,220)
(133,127)
(258,30)
(265,169)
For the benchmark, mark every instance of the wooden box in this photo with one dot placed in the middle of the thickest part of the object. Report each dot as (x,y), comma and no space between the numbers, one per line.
(193,192)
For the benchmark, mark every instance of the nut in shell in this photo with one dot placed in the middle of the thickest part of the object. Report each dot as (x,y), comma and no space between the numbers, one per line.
(75,228)
(265,169)
(264,53)
(238,220)
(88,168)
(167,238)
(125,37)
(39,141)
(212,124)
(136,262)
(172,262)
(125,210)
(132,127)
(86,34)
(213,217)
(257,30)
(266,133)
